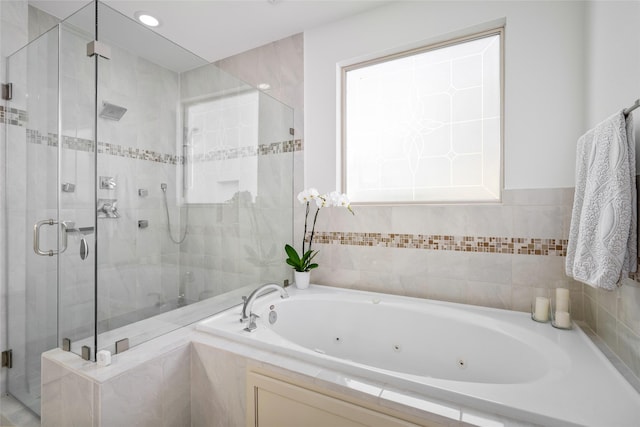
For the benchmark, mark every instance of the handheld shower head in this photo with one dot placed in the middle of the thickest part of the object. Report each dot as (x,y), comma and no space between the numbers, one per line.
(163,187)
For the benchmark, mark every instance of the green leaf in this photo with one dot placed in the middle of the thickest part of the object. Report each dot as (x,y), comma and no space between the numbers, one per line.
(300,264)
(291,263)
(292,254)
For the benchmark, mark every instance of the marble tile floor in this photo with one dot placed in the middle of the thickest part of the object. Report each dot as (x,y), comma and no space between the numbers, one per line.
(14,414)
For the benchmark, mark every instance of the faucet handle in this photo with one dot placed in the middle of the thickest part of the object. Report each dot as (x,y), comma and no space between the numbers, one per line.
(252,323)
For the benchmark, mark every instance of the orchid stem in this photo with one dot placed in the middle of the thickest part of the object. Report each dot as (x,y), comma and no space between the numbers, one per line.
(304,236)
(313,229)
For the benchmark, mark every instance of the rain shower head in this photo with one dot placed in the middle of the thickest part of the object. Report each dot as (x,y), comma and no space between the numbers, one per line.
(112,112)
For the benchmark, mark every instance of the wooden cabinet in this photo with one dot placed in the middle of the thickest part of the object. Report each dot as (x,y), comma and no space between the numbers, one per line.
(280,402)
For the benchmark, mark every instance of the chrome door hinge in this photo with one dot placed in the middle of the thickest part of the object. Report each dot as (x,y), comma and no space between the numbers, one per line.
(7,359)
(7,91)
(86,352)
(122,345)
(97,48)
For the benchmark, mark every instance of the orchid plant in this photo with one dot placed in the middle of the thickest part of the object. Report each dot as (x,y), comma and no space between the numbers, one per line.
(304,262)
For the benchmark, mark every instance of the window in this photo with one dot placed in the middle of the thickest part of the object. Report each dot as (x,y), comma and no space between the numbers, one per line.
(425,125)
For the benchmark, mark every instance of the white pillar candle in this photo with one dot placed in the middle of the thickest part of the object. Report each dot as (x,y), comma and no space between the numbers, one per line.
(562,299)
(563,319)
(541,312)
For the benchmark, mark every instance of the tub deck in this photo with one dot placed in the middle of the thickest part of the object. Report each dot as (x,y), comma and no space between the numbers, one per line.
(539,375)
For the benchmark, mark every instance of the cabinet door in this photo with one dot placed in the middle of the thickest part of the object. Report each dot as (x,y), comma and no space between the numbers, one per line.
(275,403)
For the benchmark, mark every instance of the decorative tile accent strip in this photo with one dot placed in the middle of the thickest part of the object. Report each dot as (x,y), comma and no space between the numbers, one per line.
(137,153)
(280,147)
(250,151)
(13,116)
(35,137)
(80,144)
(51,140)
(225,154)
(501,245)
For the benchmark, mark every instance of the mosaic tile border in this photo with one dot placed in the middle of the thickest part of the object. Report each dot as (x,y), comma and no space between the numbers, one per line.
(80,144)
(51,140)
(18,117)
(289,146)
(499,245)
(13,116)
(138,153)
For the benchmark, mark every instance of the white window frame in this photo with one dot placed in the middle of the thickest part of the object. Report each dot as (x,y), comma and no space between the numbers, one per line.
(499,31)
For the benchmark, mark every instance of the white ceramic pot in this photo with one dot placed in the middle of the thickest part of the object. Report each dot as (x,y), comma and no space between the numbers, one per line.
(301,279)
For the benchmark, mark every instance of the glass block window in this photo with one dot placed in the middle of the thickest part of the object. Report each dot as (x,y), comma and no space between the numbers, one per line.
(425,125)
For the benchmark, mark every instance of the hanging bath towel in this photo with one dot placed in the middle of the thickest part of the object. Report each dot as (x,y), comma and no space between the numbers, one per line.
(602,238)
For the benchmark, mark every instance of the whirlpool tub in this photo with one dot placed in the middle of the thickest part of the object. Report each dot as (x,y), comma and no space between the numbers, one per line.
(490,360)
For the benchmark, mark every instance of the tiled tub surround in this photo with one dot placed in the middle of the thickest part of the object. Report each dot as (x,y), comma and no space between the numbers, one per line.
(192,378)
(499,255)
(479,254)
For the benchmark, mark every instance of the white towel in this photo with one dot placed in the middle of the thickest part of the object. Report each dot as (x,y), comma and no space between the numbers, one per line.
(602,239)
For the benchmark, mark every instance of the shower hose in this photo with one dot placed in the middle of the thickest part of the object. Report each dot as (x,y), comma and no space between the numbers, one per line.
(166,208)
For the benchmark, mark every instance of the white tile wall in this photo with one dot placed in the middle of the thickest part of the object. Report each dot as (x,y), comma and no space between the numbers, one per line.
(70,397)
(225,388)
(240,242)
(155,393)
(279,64)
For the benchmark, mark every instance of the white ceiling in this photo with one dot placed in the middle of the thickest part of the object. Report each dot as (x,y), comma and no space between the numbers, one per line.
(216,29)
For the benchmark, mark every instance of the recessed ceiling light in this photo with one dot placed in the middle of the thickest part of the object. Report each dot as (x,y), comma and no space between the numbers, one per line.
(147,19)
(264,86)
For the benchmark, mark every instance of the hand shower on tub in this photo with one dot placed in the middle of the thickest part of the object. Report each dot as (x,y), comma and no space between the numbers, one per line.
(163,187)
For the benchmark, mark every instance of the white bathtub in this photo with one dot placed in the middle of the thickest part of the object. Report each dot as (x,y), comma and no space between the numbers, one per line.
(491,360)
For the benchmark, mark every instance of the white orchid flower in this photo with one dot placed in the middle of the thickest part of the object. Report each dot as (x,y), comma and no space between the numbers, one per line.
(331,199)
(304,196)
(334,198)
(308,195)
(322,201)
(344,202)
(313,193)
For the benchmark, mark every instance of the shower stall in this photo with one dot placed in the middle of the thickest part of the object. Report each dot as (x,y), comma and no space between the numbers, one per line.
(146,189)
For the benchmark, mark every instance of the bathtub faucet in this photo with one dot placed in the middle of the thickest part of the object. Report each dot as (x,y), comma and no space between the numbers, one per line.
(247,315)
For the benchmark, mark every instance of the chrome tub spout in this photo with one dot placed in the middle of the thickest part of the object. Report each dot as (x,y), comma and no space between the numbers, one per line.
(247,314)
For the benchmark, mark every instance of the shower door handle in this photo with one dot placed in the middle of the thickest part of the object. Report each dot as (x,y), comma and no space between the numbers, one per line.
(36,238)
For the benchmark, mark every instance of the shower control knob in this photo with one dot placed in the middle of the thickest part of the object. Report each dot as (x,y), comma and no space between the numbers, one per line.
(107,183)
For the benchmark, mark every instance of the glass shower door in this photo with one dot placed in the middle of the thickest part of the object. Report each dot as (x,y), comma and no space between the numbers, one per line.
(32,165)
(50,201)
(77,190)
